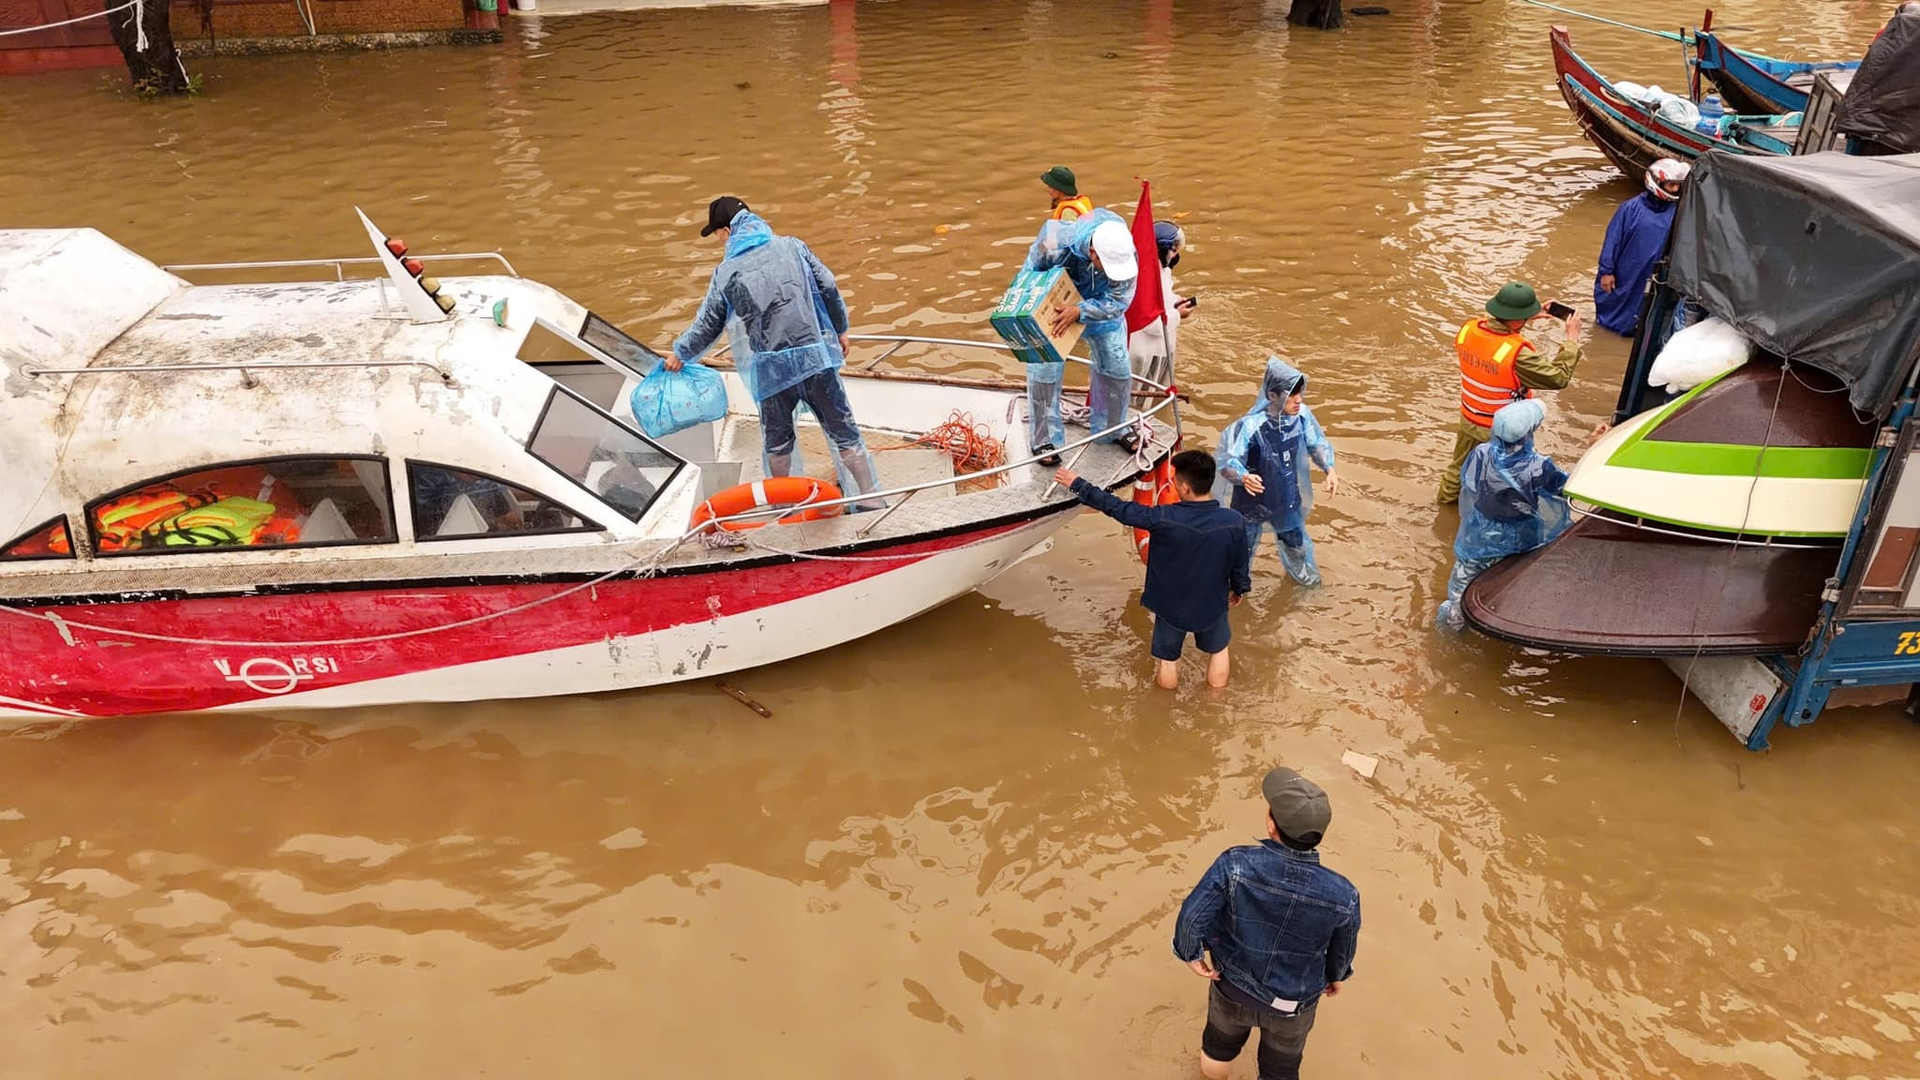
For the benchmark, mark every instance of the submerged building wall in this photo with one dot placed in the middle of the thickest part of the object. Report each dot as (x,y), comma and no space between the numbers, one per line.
(237,26)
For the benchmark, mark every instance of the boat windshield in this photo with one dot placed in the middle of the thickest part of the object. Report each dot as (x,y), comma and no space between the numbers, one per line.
(616,343)
(615,463)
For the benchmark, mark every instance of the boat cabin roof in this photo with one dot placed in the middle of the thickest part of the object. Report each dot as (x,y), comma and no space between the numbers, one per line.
(117,372)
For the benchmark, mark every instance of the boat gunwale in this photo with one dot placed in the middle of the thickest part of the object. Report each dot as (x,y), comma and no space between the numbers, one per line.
(732,560)
(1720,558)
(1640,132)
(1769,85)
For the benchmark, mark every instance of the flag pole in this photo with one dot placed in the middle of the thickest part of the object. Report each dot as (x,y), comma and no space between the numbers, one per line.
(1166,335)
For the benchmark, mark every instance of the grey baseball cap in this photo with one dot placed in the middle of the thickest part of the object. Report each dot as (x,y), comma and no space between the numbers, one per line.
(1300,808)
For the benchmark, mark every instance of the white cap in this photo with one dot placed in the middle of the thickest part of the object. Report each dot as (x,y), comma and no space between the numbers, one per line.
(1114,244)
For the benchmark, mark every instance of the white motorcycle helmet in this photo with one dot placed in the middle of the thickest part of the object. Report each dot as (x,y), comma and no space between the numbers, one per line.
(1667,173)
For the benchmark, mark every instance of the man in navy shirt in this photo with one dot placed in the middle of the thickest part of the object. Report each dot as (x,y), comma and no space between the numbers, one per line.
(1198,564)
(1282,930)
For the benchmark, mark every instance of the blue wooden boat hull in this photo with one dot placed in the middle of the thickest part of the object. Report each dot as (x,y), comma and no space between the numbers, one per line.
(1632,136)
(1751,83)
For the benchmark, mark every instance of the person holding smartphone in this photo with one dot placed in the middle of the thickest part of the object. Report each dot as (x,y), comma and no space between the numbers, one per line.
(1499,365)
(1150,348)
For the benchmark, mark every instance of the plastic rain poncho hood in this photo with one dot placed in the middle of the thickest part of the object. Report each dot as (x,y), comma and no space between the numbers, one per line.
(1510,494)
(1280,447)
(779,305)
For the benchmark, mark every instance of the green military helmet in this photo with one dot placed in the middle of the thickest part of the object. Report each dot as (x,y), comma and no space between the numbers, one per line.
(1515,300)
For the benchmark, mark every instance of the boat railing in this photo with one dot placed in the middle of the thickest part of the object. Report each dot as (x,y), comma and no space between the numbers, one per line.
(1167,398)
(339,265)
(1583,510)
(247,368)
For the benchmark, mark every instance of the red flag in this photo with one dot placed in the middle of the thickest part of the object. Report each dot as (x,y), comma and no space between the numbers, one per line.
(1148,303)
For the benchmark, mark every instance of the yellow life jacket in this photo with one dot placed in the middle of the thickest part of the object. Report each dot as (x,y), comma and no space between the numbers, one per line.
(121,523)
(231,521)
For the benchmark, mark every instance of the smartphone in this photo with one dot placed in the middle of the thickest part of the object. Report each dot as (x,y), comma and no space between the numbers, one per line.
(1190,302)
(1560,311)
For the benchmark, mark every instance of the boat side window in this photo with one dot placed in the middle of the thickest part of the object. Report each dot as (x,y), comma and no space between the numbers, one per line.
(452,504)
(48,541)
(271,502)
(617,464)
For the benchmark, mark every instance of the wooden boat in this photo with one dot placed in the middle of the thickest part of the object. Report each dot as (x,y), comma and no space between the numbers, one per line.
(1751,83)
(296,493)
(1633,136)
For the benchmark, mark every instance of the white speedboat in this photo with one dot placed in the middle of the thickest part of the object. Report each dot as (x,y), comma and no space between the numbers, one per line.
(391,488)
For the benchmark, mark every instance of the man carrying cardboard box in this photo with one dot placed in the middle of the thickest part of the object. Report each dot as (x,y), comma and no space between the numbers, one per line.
(1097,252)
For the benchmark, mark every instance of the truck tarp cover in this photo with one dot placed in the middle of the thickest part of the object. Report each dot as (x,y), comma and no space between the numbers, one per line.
(1816,258)
(1883,101)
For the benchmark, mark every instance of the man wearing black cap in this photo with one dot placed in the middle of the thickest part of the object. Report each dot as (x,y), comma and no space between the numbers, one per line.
(789,330)
(1281,929)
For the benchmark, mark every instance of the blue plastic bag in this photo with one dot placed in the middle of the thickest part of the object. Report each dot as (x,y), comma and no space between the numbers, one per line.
(670,401)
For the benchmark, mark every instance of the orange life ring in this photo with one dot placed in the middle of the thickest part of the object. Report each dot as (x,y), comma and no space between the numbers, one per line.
(773,491)
(1153,488)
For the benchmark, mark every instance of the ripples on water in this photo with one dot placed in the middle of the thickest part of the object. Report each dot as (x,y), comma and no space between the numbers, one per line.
(957,850)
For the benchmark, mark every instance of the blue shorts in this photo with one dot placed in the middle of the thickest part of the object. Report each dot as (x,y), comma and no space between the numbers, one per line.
(1169,640)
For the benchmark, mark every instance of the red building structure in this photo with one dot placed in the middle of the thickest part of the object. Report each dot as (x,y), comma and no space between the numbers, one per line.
(244,25)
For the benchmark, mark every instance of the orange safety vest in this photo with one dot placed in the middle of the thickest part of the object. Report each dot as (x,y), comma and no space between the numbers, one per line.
(1069,209)
(120,523)
(1487,376)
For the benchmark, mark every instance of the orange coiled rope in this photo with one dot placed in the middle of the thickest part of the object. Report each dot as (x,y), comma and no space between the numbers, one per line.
(971,445)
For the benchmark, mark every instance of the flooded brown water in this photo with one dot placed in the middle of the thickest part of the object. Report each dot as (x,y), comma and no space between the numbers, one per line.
(956,849)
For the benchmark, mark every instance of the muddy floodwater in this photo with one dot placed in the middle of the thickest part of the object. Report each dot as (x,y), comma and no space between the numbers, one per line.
(956,849)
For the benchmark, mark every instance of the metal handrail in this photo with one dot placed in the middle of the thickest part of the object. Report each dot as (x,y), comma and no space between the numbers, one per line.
(236,365)
(1637,522)
(1167,398)
(340,265)
(900,341)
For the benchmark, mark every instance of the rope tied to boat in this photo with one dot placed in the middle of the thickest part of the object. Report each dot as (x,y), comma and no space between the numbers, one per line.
(752,540)
(639,568)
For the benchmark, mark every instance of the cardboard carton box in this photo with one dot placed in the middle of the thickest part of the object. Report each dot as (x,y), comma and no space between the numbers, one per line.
(1027,311)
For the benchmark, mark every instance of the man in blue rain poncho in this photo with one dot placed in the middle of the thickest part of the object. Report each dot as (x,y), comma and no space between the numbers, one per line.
(1097,251)
(1264,454)
(1510,502)
(1636,239)
(783,313)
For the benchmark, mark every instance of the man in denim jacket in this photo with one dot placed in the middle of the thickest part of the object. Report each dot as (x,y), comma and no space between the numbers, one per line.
(1282,930)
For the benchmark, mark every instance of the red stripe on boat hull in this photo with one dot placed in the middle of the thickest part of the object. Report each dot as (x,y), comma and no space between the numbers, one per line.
(98,674)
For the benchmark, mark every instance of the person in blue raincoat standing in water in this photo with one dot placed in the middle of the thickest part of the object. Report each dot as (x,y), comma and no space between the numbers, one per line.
(1636,239)
(1097,251)
(1511,502)
(783,313)
(1265,456)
